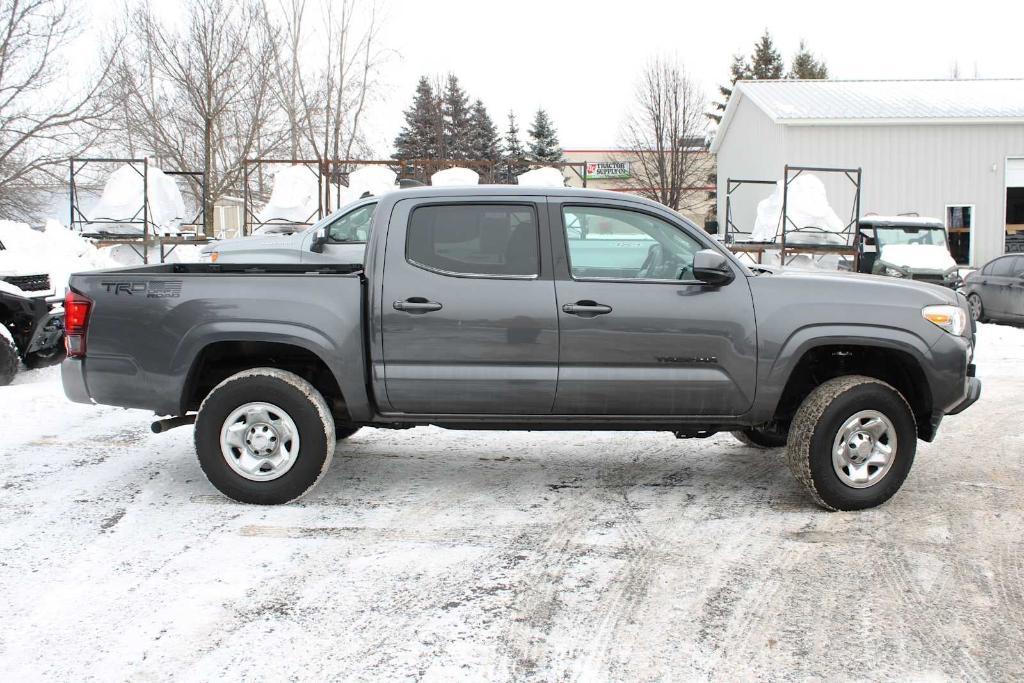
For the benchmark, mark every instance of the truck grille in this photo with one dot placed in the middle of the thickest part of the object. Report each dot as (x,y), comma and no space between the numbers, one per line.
(30,283)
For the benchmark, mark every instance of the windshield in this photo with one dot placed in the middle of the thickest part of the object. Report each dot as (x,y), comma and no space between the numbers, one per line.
(911,235)
(353,226)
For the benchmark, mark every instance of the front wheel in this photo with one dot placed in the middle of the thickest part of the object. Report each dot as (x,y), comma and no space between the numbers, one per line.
(852,443)
(264,436)
(8,359)
(977,309)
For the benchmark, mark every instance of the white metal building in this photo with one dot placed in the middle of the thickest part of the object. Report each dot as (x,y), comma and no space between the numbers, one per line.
(946,148)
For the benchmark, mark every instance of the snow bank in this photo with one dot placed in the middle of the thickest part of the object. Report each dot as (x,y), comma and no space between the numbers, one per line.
(295,197)
(542,177)
(55,251)
(926,256)
(376,180)
(807,207)
(455,177)
(122,200)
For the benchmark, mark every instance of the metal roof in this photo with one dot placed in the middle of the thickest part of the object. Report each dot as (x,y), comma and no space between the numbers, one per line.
(824,102)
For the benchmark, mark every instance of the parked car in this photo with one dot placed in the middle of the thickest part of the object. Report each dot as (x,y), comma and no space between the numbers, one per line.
(996,290)
(338,238)
(910,247)
(498,307)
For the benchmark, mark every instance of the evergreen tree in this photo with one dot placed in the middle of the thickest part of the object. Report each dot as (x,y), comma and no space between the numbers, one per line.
(484,142)
(513,156)
(766,62)
(738,71)
(455,110)
(543,145)
(806,66)
(418,138)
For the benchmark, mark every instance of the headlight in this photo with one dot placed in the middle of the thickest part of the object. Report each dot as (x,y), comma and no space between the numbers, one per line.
(894,272)
(950,318)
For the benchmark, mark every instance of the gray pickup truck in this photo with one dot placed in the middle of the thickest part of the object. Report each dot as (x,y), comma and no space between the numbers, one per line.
(507,308)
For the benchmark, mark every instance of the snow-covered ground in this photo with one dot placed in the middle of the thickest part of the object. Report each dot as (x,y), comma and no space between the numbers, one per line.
(436,555)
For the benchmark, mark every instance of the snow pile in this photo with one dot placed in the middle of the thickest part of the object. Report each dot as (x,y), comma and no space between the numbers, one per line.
(455,177)
(807,207)
(376,180)
(122,200)
(918,256)
(542,177)
(56,251)
(295,197)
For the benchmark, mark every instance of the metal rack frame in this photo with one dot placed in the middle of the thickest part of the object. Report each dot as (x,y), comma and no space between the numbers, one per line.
(150,236)
(788,229)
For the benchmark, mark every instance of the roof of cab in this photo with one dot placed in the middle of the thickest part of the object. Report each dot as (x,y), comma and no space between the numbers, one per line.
(515,191)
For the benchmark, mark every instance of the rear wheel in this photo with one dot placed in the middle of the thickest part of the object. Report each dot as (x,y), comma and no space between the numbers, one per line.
(761,437)
(852,443)
(977,309)
(8,359)
(264,436)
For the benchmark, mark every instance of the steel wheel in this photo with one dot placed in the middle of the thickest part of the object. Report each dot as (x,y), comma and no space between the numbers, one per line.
(259,441)
(864,449)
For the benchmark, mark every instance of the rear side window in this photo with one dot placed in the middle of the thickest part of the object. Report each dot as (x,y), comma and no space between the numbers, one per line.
(475,239)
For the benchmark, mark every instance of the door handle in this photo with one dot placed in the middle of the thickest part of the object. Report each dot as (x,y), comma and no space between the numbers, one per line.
(586,308)
(416,304)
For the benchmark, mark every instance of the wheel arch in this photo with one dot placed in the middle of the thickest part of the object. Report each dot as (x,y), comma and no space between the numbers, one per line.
(219,359)
(893,356)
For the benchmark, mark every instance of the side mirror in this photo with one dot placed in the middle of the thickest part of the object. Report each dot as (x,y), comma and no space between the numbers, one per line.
(319,240)
(712,268)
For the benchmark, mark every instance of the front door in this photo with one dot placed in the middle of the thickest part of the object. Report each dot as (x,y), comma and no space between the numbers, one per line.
(468,308)
(639,335)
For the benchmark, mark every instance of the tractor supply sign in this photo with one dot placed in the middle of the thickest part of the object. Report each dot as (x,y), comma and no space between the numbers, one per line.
(607,170)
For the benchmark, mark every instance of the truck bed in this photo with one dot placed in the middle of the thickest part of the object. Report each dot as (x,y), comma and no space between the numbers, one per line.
(151,325)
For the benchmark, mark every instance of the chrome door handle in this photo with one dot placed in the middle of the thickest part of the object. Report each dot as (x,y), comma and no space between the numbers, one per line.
(416,304)
(586,308)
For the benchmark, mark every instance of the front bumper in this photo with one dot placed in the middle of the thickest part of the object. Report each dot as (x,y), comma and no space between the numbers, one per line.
(973,394)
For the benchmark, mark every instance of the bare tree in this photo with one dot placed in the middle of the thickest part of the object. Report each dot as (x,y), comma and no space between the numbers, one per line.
(199,95)
(41,121)
(662,137)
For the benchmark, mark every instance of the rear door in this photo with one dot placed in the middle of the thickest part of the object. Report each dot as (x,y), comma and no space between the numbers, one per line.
(997,284)
(468,307)
(639,335)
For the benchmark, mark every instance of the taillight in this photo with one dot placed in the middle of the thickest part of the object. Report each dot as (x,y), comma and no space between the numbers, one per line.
(76,323)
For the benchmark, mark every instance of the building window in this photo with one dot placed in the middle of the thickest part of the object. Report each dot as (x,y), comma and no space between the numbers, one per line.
(960,225)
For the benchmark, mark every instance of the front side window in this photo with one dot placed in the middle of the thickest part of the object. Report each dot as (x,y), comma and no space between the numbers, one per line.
(353,226)
(475,239)
(625,244)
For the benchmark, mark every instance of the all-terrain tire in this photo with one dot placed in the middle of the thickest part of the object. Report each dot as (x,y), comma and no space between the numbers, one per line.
(760,438)
(343,431)
(8,359)
(816,425)
(301,402)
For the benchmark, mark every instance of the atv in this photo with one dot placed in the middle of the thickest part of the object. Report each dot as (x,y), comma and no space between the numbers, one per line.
(31,323)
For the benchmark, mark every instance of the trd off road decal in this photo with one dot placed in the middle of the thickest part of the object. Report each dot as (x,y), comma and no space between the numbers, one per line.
(162,289)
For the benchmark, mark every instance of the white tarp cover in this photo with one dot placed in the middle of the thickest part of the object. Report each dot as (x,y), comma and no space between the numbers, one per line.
(455,177)
(295,197)
(376,180)
(542,177)
(123,196)
(807,206)
(918,256)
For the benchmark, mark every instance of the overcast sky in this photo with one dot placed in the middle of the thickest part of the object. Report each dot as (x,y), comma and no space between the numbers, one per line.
(579,60)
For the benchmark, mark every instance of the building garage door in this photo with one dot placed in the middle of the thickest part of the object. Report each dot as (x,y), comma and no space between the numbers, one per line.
(1015,205)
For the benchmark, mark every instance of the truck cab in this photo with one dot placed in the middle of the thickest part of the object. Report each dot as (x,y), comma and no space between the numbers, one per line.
(908,247)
